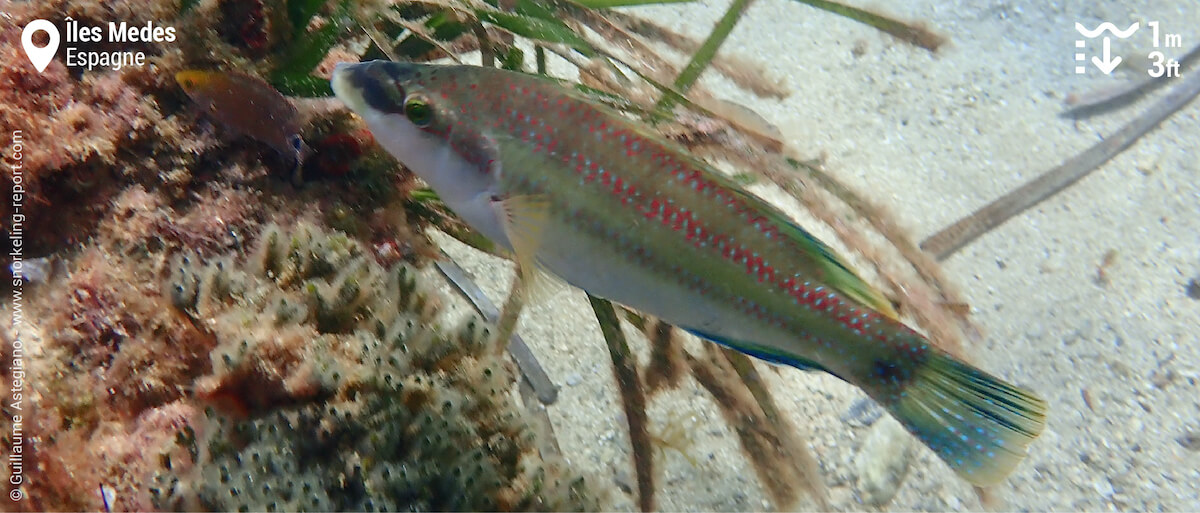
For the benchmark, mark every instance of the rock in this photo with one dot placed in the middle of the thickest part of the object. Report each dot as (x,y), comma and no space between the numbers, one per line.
(882,462)
(1190,440)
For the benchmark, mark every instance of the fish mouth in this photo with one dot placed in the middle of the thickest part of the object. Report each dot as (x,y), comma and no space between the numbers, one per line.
(372,85)
(344,84)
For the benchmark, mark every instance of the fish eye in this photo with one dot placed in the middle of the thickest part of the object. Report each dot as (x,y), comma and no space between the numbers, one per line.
(418,111)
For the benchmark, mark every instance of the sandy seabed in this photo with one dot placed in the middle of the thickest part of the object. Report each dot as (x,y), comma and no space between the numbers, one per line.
(933,137)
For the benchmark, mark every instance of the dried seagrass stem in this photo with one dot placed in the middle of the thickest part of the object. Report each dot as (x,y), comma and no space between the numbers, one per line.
(630,32)
(600,22)
(950,239)
(666,368)
(761,440)
(912,33)
(420,32)
(633,399)
(486,51)
(539,53)
(381,41)
(803,461)
(1110,97)
(746,75)
(536,388)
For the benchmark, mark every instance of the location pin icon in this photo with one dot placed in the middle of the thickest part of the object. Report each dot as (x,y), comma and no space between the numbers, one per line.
(40,57)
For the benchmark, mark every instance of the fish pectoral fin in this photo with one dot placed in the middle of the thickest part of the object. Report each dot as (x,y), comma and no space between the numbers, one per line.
(523,219)
(542,286)
(761,352)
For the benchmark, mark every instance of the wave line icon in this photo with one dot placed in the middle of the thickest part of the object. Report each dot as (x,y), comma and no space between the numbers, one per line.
(1106,26)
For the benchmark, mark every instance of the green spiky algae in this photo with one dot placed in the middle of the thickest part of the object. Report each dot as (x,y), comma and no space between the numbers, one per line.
(347,397)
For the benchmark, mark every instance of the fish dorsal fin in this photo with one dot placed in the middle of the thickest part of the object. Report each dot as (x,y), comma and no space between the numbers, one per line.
(838,275)
(523,219)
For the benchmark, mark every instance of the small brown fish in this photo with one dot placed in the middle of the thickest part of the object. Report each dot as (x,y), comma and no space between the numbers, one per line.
(248,106)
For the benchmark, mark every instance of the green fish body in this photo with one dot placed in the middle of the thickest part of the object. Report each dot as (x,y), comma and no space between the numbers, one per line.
(612,208)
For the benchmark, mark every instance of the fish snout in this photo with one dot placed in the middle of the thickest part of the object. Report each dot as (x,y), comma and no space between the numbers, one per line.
(345,83)
(375,85)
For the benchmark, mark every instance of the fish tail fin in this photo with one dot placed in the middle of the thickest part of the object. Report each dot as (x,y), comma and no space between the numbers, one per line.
(978,424)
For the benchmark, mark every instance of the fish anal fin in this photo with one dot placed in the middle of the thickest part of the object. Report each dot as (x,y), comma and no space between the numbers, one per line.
(761,352)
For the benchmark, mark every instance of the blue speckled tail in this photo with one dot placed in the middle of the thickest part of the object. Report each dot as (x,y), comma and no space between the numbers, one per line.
(976,423)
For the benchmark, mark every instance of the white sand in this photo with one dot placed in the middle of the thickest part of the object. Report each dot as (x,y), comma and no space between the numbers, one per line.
(934,137)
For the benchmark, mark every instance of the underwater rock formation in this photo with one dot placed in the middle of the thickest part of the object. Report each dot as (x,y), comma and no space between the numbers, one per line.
(333,389)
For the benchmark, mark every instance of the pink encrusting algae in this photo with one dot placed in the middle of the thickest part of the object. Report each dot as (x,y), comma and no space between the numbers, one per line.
(575,188)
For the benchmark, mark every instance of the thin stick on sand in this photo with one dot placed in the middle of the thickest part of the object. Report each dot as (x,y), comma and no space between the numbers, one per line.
(950,239)
(912,33)
(1113,96)
(633,399)
(528,364)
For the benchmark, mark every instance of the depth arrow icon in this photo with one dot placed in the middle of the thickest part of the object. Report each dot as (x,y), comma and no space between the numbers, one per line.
(1109,63)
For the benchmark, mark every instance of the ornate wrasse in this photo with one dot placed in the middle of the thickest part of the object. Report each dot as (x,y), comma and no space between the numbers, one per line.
(579,190)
